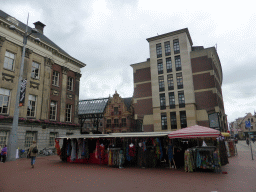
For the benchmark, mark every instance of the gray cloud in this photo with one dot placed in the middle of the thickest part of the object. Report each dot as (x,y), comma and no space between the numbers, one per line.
(109,35)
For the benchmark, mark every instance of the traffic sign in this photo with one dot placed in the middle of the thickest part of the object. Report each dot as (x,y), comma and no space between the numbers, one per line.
(247,124)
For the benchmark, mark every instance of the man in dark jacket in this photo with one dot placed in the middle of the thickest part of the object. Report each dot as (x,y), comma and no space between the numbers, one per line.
(4,153)
(32,153)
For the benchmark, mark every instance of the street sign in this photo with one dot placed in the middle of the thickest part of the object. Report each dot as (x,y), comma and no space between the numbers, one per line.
(247,124)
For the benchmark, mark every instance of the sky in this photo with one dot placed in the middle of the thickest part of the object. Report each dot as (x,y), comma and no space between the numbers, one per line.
(110,35)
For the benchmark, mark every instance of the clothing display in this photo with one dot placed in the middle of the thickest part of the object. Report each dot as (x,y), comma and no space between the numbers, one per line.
(202,158)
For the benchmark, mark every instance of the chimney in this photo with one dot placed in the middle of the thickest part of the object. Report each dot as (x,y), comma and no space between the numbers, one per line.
(39,26)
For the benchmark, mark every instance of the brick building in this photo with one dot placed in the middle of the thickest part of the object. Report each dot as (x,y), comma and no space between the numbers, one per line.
(179,85)
(52,90)
(107,115)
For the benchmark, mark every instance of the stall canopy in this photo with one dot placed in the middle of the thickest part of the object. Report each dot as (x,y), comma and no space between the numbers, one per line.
(194,132)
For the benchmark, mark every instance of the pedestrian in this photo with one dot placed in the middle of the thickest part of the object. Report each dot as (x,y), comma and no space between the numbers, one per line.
(4,153)
(253,139)
(33,150)
(247,141)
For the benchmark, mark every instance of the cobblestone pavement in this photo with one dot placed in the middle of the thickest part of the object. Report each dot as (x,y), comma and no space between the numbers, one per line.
(50,174)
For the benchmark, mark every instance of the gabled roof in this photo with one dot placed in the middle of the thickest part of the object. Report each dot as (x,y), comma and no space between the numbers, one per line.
(127,102)
(41,36)
(92,106)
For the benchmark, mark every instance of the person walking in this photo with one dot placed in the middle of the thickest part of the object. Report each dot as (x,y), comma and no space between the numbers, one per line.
(247,141)
(4,153)
(33,150)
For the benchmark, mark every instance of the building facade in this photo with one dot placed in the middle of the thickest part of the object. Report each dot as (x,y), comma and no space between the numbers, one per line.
(113,116)
(118,115)
(179,85)
(238,128)
(51,78)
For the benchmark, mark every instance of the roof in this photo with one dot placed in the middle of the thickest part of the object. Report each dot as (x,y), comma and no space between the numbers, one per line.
(127,102)
(41,36)
(194,132)
(118,135)
(92,106)
(185,30)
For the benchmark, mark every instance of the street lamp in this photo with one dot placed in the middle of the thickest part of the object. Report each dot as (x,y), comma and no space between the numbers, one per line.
(12,142)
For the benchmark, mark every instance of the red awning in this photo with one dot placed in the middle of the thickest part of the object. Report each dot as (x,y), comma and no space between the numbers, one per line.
(194,132)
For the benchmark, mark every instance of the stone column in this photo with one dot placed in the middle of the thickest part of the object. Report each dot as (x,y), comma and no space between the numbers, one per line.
(78,76)
(46,88)
(63,94)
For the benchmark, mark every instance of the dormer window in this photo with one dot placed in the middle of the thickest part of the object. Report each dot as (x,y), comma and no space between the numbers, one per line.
(12,20)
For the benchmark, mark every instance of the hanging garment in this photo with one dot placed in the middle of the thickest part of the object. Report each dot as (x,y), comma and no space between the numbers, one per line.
(128,157)
(80,149)
(63,155)
(102,153)
(132,151)
(97,149)
(69,148)
(170,152)
(73,150)
(121,159)
(57,146)
(160,148)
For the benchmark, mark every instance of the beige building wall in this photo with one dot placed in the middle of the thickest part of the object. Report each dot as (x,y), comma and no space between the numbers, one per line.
(188,88)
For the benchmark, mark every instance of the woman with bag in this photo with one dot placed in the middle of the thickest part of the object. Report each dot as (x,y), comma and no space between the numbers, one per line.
(33,150)
(4,153)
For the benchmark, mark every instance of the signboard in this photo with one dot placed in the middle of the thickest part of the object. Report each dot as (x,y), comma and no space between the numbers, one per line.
(214,120)
(247,124)
(22,92)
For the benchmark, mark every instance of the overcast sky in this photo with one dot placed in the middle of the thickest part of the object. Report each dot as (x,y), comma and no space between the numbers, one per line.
(110,35)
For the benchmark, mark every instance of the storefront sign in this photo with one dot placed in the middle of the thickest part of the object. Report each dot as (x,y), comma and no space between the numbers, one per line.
(214,120)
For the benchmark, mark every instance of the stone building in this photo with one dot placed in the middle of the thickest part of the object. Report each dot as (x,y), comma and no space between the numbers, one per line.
(179,85)
(52,79)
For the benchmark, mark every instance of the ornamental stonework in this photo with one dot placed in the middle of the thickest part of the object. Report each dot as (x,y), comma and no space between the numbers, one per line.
(2,40)
(48,62)
(7,77)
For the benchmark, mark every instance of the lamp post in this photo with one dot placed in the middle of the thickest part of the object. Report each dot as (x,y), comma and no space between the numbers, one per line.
(12,141)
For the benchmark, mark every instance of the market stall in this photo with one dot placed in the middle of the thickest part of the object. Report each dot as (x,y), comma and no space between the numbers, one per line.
(209,151)
(230,144)
(146,149)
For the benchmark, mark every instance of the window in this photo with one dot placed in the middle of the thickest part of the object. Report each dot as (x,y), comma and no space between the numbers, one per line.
(31,110)
(70,83)
(181,99)
(55,78)
(183,119)
(123,122)
(68,112)
(108,123)
(158,50)
(167,48)
(160,66)
(35,70)
(9,61)
(29,138)
(179,80)
(170,82)
(4,100)
(116,111)
(164,121)
(169,64)
(3,138)
(172,100)
(173,120)
(161,83)
(178,63)
(162,101)
(176,46)
(53,110)
(52,139)
(116,122)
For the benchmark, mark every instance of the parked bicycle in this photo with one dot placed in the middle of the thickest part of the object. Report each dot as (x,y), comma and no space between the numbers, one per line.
(46,152)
